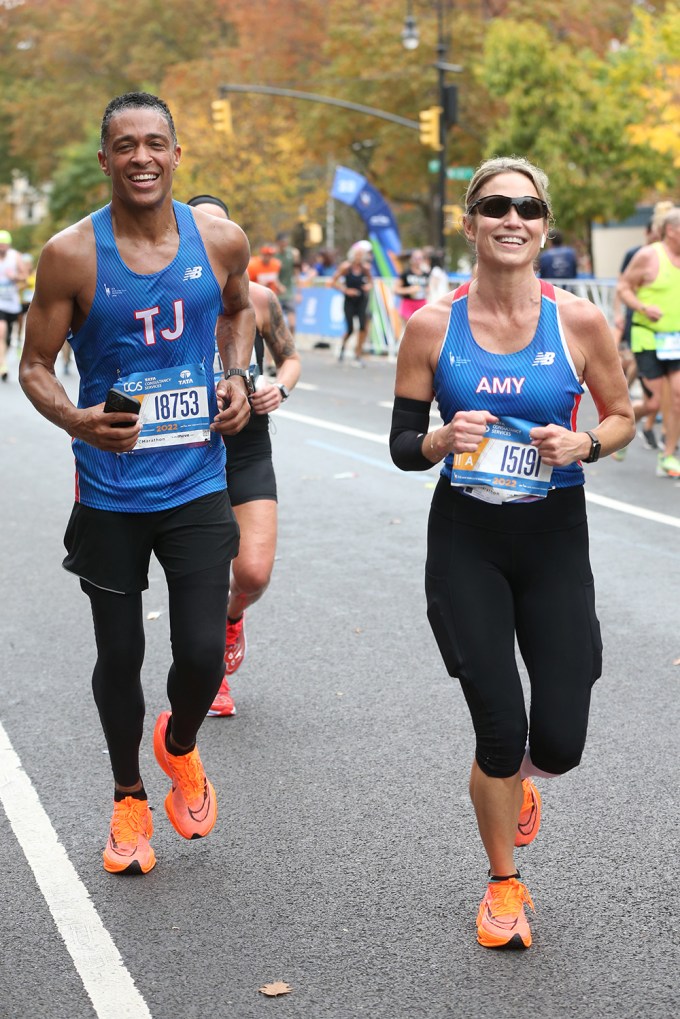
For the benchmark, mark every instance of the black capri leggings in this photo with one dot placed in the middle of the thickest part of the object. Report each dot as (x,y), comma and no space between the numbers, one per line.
(198,617)
(499,573)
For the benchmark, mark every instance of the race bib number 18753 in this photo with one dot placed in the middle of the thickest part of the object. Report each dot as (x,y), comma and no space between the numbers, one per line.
(174,407)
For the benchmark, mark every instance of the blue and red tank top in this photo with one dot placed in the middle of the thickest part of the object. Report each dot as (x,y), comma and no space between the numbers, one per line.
(538,383)
(147,323)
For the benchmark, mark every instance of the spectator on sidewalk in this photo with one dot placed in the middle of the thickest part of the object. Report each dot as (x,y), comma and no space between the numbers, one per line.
(559,261)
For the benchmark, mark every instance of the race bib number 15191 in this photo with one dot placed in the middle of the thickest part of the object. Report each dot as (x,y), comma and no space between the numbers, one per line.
(504,461)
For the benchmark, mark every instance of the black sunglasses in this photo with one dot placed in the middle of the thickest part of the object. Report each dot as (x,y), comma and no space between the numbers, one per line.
(496,206)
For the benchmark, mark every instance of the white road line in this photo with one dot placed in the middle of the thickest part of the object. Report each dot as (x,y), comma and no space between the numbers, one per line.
(388,404)
(332,427)
(307,386)
(108,983)
(597,500)
(633,511)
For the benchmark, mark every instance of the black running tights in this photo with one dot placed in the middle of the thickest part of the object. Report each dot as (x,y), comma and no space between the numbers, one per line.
(198,616)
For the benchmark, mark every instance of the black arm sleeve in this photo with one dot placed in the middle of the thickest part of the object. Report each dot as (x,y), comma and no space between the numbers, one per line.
(410,422)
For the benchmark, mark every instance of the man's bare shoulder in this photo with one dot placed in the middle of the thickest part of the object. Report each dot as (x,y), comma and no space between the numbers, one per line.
(68,257)
(75,241)
(219,231)
(262,298)
(224,239)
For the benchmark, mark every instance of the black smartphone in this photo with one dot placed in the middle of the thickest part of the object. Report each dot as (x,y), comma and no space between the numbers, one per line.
(119,402)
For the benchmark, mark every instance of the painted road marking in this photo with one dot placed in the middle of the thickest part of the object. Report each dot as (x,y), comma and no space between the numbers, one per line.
(330,426)
(108,983)
(598,500)
(434,413)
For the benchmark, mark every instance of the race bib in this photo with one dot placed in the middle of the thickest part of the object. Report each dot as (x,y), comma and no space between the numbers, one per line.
(505,467)
(667,346)
(174,407)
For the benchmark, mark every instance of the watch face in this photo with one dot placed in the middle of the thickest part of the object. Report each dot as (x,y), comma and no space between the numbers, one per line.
(246,376)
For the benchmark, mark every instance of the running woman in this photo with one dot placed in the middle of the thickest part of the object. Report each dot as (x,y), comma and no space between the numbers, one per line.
(354,279)
(138,287)
(506,356)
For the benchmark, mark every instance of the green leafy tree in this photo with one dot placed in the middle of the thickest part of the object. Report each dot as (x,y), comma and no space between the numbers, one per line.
(78,184)
(561,110)
(647,69)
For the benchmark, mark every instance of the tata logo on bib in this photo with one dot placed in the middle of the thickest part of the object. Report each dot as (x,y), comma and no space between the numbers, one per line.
(185,378)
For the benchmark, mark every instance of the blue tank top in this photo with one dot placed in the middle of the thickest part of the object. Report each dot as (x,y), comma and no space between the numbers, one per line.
(538,383)
(147,323)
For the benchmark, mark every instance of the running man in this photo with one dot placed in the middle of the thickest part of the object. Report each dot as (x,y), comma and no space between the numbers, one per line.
(250,471)
(138,287)
(650,286)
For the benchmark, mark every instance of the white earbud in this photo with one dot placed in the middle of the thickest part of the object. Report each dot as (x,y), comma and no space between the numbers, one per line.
(543,240)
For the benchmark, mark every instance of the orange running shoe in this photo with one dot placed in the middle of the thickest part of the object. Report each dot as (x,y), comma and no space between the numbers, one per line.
(191,804)
(530,815)
(235,650)
(128,850)
(501,922)
(223,704)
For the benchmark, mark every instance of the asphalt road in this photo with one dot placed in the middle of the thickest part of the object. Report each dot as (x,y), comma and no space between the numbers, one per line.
(345,861)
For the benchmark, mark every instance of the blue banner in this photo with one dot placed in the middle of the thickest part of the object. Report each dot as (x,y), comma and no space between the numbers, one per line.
(320,312)
(353,189)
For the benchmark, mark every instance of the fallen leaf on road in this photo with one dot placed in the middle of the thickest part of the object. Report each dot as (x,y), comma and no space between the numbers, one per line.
(395,521)
(677,661)
(153,615)
(273,990)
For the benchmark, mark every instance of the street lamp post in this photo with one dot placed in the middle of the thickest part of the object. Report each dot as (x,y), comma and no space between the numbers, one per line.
(410,38)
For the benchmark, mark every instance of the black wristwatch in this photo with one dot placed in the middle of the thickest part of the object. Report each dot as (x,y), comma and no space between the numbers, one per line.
(595,448)
(248,378)
(284,390)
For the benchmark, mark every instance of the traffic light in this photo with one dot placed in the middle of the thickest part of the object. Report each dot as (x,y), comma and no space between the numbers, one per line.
(221,115)
(313,234)
(450,101)
(429,127)
(453,219)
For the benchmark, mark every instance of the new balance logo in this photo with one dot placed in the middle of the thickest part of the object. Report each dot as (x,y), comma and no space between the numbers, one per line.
(543,358)
(194,273)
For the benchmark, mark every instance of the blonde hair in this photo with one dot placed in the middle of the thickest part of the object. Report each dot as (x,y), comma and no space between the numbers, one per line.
(661,210)
(508,164)
(671,217)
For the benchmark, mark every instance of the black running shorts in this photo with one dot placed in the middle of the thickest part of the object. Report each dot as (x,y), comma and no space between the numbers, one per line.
(250,470)
(650,367)
(113,550)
